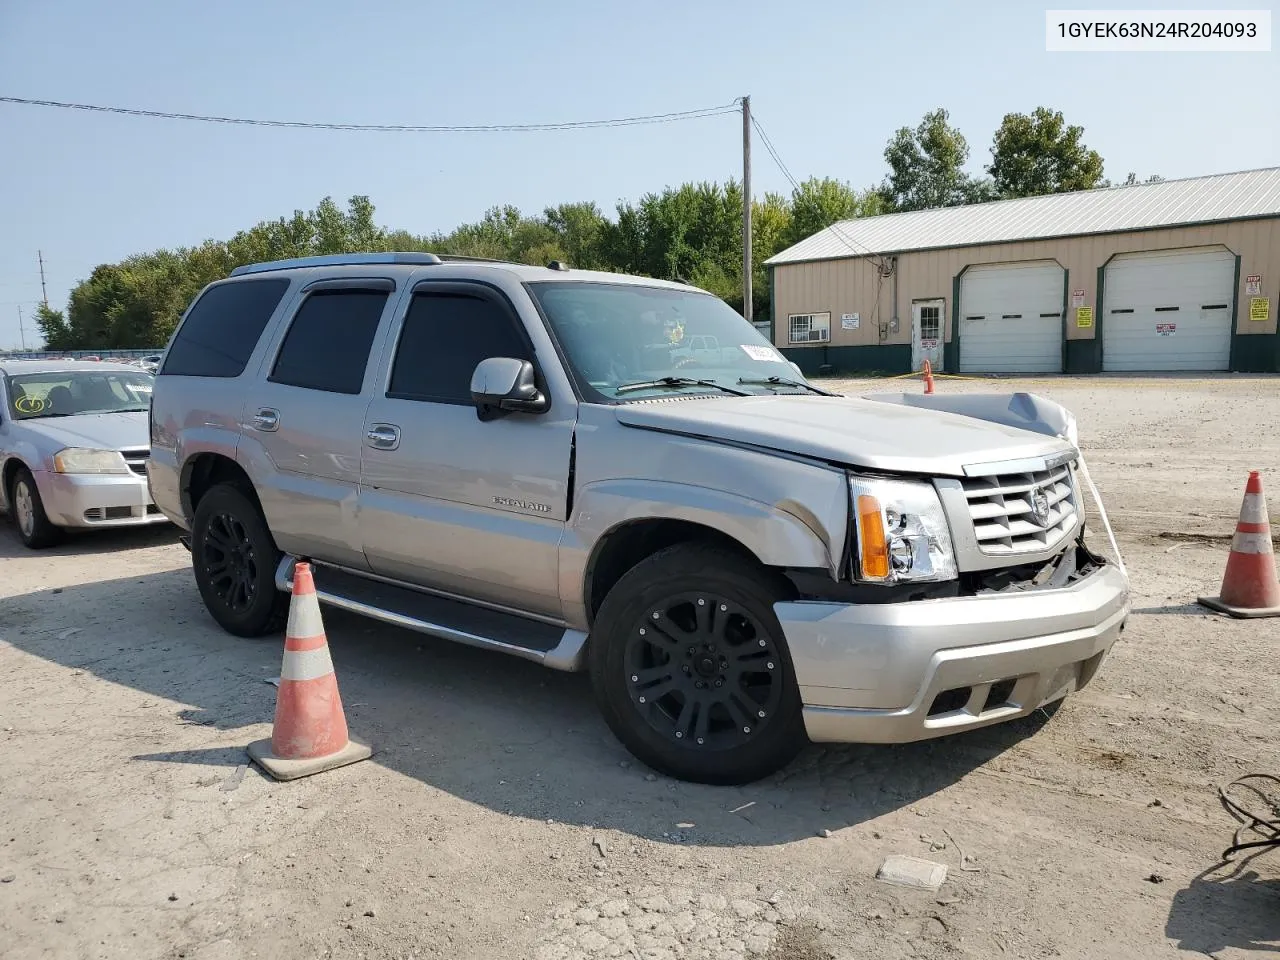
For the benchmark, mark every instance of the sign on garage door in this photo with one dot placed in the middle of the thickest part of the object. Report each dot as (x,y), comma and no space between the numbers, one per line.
(1011,318)
(1168,310)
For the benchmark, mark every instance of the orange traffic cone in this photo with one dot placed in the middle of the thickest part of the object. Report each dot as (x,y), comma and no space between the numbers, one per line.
(310,731)
(1250,587)
(928,377)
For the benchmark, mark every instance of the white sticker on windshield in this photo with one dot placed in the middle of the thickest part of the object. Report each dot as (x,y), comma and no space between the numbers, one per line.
(756,352)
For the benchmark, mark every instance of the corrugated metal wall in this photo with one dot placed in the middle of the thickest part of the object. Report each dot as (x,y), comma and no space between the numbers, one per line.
(853,286)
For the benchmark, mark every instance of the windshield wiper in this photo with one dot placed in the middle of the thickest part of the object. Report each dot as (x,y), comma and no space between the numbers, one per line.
(677,382)
(784,382)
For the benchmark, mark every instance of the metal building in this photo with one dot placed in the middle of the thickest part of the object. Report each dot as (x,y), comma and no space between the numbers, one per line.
(1176,275)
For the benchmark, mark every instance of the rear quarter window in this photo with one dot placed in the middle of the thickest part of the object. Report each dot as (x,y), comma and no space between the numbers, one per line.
(223,328)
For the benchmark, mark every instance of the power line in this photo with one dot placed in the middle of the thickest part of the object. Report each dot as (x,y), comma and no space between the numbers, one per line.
(392,127)
(835,227)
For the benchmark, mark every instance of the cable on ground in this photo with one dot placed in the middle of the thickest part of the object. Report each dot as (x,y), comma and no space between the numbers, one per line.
(1268,826)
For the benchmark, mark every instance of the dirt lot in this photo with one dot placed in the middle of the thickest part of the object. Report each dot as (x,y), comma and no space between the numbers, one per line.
(499,818)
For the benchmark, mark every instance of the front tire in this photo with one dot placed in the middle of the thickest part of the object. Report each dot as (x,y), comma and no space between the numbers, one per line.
(27,510)
(691,670)
(234,558)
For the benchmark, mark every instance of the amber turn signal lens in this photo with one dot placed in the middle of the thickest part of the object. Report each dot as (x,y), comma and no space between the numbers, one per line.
(872,544)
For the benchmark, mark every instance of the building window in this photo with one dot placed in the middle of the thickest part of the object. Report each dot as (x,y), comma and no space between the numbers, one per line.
(810,327)
(930,323)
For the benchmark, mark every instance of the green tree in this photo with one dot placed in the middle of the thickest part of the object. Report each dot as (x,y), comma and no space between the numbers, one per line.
(1132,180)
(580,230)
(818,203)
(1040,153)
(53,328)
(926,167)
(770,232)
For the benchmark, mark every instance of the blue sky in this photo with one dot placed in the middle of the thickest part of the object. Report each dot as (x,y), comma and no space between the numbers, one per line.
(830,80)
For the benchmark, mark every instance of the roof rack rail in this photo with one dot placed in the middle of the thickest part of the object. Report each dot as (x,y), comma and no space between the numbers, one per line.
(460,258)
(338,260)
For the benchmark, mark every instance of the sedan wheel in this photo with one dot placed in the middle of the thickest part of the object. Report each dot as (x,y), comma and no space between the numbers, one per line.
(28,513)
(23,510)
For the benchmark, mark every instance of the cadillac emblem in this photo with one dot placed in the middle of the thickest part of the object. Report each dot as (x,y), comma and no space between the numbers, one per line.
(1040,506)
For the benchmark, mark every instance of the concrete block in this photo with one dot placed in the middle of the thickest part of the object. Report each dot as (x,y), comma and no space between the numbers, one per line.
(912,872)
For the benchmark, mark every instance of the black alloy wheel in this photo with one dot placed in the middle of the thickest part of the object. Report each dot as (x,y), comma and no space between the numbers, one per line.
(691,669)
(703,671)
(230,563)
(234,558)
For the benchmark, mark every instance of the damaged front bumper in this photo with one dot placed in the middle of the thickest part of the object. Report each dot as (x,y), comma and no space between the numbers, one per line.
(899,672)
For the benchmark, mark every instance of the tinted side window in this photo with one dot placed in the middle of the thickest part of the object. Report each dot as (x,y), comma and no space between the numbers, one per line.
(223,328)
(328,343)
(445,335)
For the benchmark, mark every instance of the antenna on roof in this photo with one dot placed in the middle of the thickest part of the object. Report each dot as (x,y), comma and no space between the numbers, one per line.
(558,265)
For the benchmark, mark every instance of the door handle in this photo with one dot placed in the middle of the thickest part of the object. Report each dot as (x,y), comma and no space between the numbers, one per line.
(383,436)
(266,420)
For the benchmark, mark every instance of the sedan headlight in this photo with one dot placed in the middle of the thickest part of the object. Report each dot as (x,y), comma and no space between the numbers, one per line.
(83,460)
(902,532)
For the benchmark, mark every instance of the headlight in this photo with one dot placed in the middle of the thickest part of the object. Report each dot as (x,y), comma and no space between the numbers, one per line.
(902,532)
(82,460)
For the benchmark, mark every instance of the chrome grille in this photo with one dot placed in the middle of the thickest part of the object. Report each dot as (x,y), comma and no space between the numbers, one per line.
(137,460)
(1002,510)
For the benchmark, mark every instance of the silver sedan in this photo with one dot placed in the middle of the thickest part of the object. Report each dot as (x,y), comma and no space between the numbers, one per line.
(74,443)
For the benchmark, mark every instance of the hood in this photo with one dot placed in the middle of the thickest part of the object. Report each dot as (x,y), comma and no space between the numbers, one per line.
(100,431)
(846,430)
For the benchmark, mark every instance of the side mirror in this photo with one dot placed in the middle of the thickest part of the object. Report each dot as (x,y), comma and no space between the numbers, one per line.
(796,367)
(505,385)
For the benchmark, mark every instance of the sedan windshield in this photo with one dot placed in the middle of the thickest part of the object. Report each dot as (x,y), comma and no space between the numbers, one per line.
(74,393)
(625,341)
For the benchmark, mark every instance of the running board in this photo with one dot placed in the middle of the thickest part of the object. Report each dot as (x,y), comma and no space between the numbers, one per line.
(551,645)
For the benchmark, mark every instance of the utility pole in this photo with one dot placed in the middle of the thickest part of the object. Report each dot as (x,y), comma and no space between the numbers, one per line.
(44,293)
(22,331)
(746,207)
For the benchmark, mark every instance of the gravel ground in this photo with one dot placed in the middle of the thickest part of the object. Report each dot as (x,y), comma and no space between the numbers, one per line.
(499,818)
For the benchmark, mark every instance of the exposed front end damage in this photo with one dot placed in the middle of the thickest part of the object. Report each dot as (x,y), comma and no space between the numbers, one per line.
(1025,617)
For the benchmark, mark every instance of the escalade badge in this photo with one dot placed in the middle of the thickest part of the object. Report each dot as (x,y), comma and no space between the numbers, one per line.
(1040,506)
(522,504)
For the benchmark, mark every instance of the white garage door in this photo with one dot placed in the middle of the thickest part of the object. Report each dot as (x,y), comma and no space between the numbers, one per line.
(1168,310)
(1011,318)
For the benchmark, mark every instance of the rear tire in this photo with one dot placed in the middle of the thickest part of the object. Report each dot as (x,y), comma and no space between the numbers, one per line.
(691,670)
(27,510)
(234,558)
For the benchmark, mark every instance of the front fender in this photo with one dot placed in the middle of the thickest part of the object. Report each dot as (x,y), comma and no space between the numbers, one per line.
(26,453)
(788,533)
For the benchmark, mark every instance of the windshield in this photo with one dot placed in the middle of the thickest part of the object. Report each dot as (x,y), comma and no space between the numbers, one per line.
(71,393)
(626,342)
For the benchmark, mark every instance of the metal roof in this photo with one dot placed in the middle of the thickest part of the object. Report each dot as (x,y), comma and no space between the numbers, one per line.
(1171,203)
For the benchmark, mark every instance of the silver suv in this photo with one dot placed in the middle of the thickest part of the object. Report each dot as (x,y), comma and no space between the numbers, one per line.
(532,460)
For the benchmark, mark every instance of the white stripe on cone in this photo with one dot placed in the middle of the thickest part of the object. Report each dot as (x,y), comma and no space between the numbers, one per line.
(1251,543)
(304,617)
(306,664)
(1254,509)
